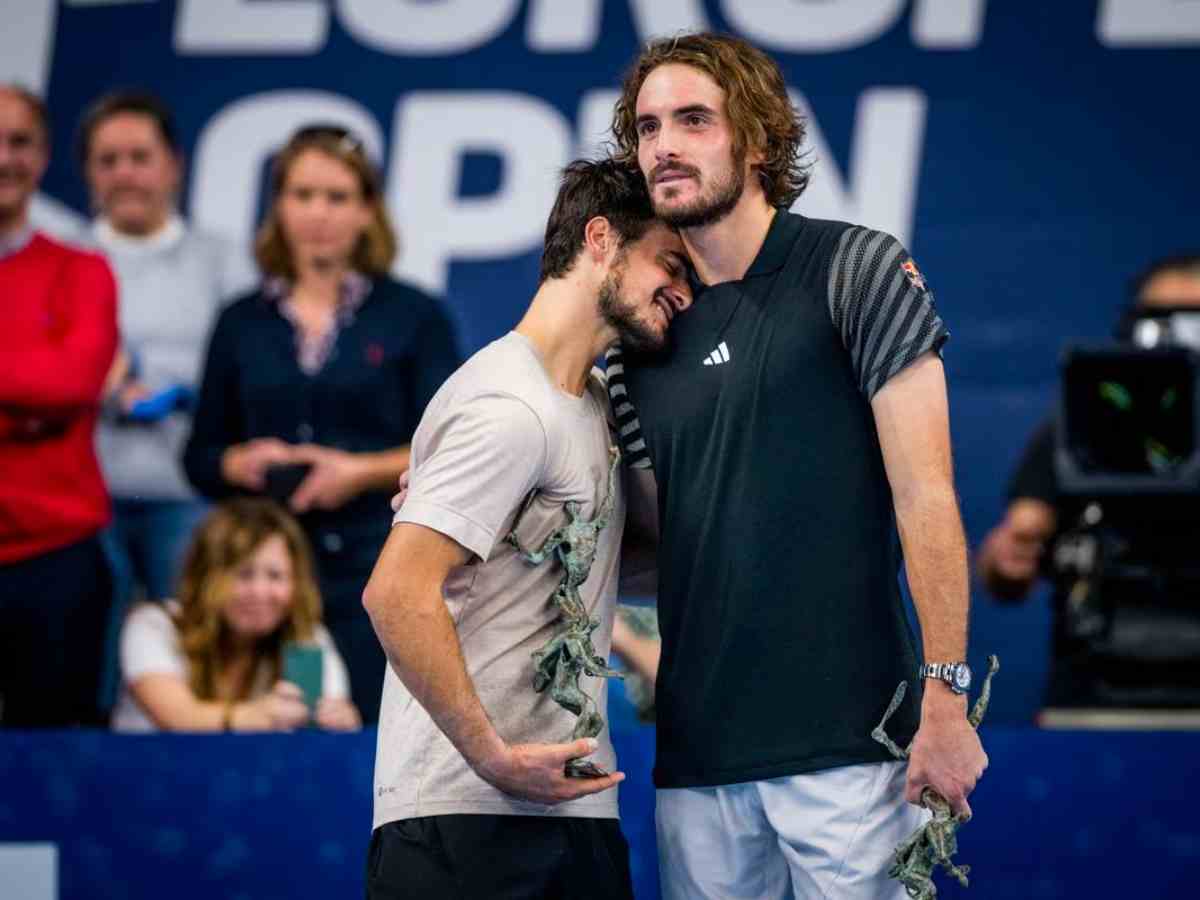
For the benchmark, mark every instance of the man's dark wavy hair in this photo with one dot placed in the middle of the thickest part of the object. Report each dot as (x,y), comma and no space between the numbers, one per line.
(591,188)
(756,102)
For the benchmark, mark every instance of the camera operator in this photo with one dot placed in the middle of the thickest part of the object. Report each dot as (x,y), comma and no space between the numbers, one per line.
(1040,536)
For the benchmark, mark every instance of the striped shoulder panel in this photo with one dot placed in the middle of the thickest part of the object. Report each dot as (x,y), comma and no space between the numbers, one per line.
(881,306)
(629,429)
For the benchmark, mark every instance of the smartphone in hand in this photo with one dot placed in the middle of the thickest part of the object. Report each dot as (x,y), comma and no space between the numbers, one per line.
(303,666)
(282,480)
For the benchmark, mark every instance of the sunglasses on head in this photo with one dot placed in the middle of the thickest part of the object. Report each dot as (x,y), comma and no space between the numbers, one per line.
(349,141)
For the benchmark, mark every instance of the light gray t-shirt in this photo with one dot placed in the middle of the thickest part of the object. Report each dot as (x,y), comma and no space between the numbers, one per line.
(499,432)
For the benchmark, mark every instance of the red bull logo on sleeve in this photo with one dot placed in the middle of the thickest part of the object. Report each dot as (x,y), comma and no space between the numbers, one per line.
(914,275)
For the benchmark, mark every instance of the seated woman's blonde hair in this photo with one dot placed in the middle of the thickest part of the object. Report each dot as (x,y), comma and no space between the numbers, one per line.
(227,538)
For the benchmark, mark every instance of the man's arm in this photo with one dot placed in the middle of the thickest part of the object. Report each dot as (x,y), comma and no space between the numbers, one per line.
(63,376)
(912,419)
(639,543)
(1010,557)
(640,652)
(405,603)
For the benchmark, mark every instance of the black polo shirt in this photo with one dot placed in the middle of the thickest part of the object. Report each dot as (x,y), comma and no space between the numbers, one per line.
(784,634)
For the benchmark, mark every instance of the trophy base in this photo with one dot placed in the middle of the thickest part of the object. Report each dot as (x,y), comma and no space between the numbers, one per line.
(582,768)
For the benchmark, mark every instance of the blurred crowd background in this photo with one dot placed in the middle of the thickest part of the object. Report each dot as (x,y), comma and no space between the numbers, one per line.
(243,243)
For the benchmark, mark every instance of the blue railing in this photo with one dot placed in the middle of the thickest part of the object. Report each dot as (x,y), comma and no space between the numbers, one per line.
(1059,815)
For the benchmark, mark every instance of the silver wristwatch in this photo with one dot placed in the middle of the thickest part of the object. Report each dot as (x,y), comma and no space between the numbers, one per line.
(956,674)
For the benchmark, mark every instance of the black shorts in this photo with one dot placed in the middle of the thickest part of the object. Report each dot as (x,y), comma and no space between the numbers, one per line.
(488,857)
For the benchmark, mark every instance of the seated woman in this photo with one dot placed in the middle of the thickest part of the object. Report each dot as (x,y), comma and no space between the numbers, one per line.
(213,660)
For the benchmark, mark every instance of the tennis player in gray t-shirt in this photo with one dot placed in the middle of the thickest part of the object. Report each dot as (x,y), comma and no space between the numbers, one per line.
(471,799)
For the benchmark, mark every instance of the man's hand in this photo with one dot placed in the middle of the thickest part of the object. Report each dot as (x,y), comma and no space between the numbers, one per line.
(337,714)
(334,479)
(401,494)
(946,753)
(535,772)
(118,373)
(408,611)
(1008,562)
(245,465)
(282,709)
(1009,558)
(129,394)
(1015,554)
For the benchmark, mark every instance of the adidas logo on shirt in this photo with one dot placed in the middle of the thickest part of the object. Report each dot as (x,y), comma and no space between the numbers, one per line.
(718,356)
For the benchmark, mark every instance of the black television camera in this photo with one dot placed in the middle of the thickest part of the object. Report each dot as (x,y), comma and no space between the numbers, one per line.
(1127,457)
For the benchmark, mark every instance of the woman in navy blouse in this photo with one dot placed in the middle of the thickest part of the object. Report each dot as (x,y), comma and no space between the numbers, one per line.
(314,384)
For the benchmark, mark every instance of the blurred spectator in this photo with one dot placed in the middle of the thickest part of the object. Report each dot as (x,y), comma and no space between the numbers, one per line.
(636,641)
(172,280)
(314,385)
(58,332)
(1018,551)
(215,659)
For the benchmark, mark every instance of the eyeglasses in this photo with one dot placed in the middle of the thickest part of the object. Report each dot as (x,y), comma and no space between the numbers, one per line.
(347,140)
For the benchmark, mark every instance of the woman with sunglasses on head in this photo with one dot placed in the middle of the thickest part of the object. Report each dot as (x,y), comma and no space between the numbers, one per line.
(314,383)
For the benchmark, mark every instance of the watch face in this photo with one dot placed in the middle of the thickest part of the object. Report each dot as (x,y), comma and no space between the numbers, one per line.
(962,677)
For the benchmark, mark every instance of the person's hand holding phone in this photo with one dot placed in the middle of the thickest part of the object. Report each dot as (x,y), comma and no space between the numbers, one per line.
(304,667)
(283,709)
(245,465)
(337,714)
(334,479)
(281,480)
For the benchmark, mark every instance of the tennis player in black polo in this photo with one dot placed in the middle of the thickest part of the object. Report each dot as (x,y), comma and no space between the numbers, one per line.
(797,430)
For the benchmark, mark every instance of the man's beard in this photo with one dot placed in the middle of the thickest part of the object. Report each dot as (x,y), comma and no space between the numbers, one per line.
(634,333)
(707,210)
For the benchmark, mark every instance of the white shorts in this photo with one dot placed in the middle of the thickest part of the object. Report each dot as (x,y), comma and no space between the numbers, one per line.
(828,834)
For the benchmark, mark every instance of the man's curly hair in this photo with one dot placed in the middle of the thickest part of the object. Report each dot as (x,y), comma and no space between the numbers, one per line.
(756,102)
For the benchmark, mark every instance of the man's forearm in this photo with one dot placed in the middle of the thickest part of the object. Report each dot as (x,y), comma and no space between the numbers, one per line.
(421,643)
(639,543)
(640,652)
(912,419)
(946,756)
(935,561)
(639,566)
